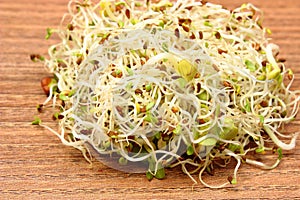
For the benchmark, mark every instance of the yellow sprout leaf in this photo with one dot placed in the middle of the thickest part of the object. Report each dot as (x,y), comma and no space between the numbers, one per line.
(186,69)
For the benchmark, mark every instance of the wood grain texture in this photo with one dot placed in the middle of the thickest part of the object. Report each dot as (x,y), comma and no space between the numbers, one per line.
(35,165)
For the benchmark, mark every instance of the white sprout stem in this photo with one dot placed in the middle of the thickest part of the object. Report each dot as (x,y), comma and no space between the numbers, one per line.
(278,142)
(262,165)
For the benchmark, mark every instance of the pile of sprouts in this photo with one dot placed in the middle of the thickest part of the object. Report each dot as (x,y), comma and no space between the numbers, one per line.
(164,84)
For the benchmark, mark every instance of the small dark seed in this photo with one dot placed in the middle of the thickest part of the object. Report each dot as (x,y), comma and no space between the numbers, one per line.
(119,7)
(280,66)
(182,21)
(227,84)
(79,60)
(200,121)
(198,61)
(174,109)
(264,103)
(264,63)
(192,37)
(131,137)
(162,8)
(62,64)
(189,7)
(45,84)
(138,91)
(218,35)
(114,74)
(281,60)
(220,51)
(197,75)
(200,35)
(177,33)
(185,28)
(119,75)
(32,57)
(143,109)
(222,147)
(127,13)
(256,46)
(70,27)
(60,117)
(40,107)
(198,88)
(106,124)
(239,18)
(112,133)
(230,178)
(203,2)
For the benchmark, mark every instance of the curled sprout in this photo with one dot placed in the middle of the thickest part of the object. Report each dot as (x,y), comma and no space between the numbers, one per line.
(170,83)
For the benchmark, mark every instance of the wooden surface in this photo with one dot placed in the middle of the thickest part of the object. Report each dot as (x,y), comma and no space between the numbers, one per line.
(35,165)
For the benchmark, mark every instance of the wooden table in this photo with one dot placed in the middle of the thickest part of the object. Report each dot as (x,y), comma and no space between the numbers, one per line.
(34,164)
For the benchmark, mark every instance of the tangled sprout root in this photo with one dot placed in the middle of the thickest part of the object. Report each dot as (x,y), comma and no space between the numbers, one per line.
(171,83)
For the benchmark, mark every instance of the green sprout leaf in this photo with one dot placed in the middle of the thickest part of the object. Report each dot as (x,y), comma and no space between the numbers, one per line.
(233,181)
(134,21)
(55,115)
(121,24)
(203,95)
(182,82)
(71,93)
(150,118)
(280,155)
(49,33)
(273,74)
(150,105)
(36,57)
(260,150)
(36,121)
(149,175)
(165,47)
(290,72)
(161,24)
(233,147)
(247,106)
(229,131)
(261,119)
(63,97)
(209,142)
(123,161)
(148,87)
(250,65)
(158,135)
(39,107)
(261,77)
(177,130)
(107,144)
(207,23)
(160,174)
(129,71)
(190,150)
